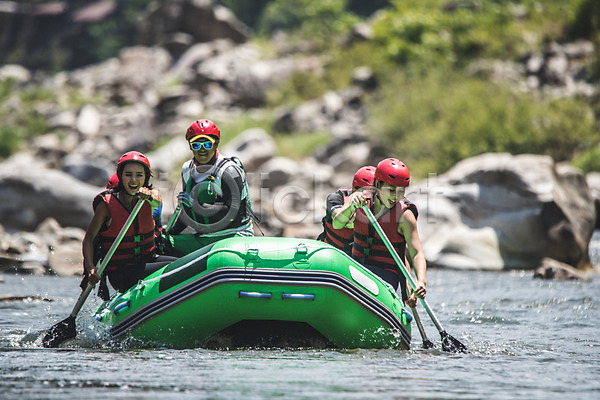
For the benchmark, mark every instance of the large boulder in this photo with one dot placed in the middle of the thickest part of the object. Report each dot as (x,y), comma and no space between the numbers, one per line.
(253,147)
(30,193)
(197,20)
(498,211)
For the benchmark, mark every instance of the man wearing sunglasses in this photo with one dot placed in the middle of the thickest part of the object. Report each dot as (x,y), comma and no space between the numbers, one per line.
(214,201)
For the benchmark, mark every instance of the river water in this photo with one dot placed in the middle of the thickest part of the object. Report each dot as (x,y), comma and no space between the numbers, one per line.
(528,339)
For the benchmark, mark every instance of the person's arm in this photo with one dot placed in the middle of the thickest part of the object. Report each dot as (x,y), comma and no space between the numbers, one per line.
(334,201)
(408,228)
(101,215)
(343,217)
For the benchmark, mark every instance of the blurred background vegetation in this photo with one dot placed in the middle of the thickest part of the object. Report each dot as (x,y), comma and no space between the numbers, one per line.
(430,111)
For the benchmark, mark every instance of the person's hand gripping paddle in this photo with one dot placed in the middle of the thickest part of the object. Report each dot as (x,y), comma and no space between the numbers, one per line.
(449,343)
(65,329)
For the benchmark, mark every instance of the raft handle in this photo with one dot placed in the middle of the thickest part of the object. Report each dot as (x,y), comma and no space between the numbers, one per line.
(297,296)
(120,307)
(302,248)
(252,253)
(255,295)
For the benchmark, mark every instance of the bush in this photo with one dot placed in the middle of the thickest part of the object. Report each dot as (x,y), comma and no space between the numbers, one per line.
(300,145)
(431,122)
(314,21)
(589,160)
(584,21)
(6,89)
(10,140)
(433,32)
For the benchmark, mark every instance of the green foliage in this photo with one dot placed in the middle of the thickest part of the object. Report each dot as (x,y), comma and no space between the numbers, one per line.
(34,94)
(585,21)
(316,21)
(247,11)
(6,88)
(431,122)
(426,32)
(301,86)
(231,127)
(35,125)
(10,140)
(366,8)
(338,72)
(589,160)
(300,144)
(104,39)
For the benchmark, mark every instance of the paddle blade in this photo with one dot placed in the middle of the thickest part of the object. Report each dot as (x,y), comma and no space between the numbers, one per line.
(60,332)
(428,344)
(452,344)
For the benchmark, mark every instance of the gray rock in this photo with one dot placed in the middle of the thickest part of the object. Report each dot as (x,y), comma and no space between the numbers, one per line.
(200,19)
(498,211)
(26,199)
(88,121)
(15,72)
(278,171)
(92,171)
(552,269)
(253,147)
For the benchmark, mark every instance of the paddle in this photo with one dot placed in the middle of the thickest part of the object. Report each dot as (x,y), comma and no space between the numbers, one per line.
(427,344)
(174,217)
(449,343)
(65,329)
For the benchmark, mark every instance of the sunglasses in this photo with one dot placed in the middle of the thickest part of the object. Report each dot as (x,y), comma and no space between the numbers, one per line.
(197,145)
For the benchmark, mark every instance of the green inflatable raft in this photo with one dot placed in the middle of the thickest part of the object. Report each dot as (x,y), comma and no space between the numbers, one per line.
(260,291)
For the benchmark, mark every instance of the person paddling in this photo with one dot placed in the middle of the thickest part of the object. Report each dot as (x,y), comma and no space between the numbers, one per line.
(342,237)
(398,218)
(136,256)
(214,202)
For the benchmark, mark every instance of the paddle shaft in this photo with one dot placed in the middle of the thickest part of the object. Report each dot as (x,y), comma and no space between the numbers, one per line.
(398,260)
(426,342)
(107,257)
(173,218)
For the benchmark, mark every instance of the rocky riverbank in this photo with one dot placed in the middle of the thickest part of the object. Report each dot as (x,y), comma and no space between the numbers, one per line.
(494,211)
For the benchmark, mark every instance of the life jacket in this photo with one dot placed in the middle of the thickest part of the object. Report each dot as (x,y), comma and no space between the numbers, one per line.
(369,248)
(340,238)
(137,246)
(241,223)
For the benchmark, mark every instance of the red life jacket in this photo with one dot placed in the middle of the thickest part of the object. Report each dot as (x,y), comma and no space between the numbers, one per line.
(340,238)
(369,248)
(137,245)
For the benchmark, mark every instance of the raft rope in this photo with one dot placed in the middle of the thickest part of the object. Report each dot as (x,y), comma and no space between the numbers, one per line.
(211,252)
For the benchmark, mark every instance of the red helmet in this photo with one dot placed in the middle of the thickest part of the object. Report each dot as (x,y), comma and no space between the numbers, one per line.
(392,171)
(202,127)
(134,156)
(113,181)
(364,177)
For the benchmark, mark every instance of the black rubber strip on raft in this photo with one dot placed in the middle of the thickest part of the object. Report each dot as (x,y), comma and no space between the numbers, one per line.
(270,276)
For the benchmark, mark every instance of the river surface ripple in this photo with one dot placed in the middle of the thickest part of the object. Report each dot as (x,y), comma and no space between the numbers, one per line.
(528,339)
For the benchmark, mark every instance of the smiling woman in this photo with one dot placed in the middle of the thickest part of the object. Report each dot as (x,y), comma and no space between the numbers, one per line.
(136,255)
